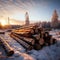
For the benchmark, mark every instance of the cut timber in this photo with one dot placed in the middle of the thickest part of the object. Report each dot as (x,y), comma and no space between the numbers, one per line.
(2,32)
(25,39)
(24,44)
(33,41)
(23,32)
(6,46)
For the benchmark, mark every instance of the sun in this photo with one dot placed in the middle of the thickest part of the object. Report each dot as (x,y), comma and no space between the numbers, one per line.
(3,22)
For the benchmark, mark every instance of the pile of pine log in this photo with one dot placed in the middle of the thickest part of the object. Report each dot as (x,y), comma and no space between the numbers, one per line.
(33,38)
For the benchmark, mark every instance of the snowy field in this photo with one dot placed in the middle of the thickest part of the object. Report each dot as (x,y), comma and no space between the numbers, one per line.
(47,53)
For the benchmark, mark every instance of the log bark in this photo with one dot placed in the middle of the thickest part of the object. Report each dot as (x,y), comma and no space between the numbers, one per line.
(30,41)
(21,42)
(9,51)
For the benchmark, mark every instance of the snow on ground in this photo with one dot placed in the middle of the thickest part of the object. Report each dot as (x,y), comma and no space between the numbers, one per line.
(47,53)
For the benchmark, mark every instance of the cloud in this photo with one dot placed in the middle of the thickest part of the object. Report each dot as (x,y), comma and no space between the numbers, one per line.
(11,7)
(34,7)
(15,6)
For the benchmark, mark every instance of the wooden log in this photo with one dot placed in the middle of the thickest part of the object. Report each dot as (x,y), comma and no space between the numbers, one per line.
(34,43)
(2,32)
(23,32)
(30,41)
(24,44)
(53,41)
(9,51)
(37,45)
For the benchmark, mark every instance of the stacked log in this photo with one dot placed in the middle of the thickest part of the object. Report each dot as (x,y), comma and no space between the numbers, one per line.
(34,37)
(23,43)
(32,42)
(37,45)
(23,32)
(48,39)
(9,51)
(25,39)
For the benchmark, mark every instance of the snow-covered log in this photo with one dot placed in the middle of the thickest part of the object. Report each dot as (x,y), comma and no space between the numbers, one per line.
(23,43)
(30,41)
(9,50)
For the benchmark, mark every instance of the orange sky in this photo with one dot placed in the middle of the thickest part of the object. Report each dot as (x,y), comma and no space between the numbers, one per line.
(39,10)
(4,21)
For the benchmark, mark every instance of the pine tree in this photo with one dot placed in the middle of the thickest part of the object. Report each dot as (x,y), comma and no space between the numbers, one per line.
(27,19)
(54,22)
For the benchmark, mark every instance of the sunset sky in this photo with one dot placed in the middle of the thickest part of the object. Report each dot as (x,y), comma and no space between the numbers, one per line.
(39,10)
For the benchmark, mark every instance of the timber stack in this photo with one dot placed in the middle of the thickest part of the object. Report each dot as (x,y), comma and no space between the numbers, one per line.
(35,37)
(22,42)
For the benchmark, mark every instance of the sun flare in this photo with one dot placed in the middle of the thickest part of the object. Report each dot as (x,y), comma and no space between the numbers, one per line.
(3,22)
